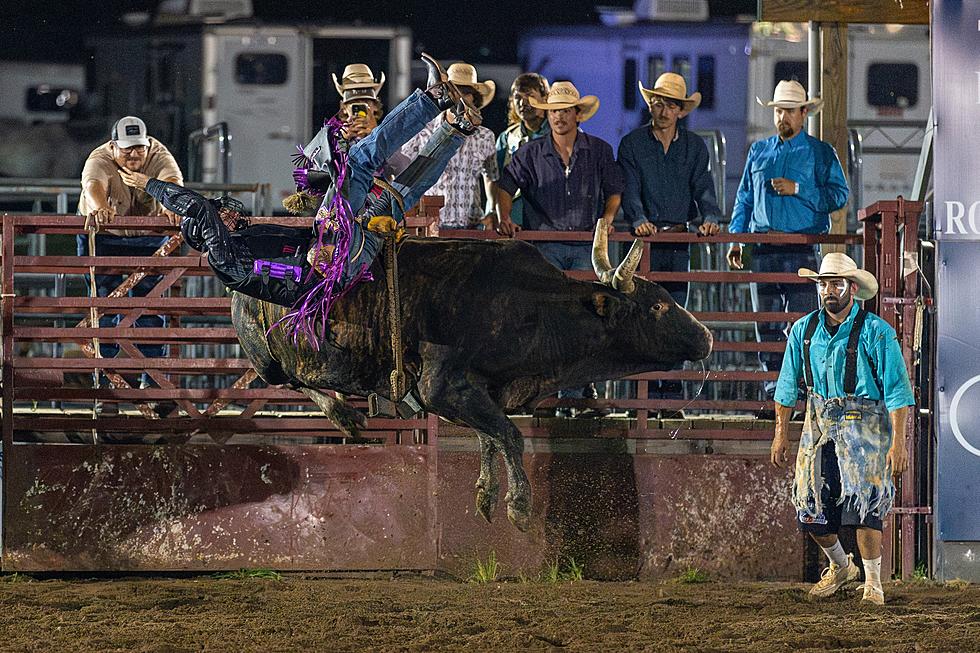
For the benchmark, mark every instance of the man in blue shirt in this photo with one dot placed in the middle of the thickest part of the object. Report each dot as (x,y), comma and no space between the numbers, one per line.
(791,184)
(668,185)
(853,438)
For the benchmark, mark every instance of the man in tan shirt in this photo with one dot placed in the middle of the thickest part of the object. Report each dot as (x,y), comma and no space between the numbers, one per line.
(104,196)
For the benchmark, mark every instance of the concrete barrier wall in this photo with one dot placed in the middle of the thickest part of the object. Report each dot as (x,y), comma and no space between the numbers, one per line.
(617,513)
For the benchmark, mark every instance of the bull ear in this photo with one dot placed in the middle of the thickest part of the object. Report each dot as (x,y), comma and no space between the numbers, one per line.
(604,304)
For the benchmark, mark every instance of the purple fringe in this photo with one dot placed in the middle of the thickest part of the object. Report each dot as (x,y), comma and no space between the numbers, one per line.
(302,179)
(309,316)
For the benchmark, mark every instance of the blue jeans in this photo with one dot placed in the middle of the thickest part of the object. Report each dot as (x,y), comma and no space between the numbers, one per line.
(110,245)
(368,155)
(568,256)
(670,257)
(780,297)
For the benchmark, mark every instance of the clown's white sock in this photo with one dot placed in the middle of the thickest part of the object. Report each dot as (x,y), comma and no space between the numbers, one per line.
(836,554)
(872,572)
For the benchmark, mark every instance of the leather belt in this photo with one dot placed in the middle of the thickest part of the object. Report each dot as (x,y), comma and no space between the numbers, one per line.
(672,228)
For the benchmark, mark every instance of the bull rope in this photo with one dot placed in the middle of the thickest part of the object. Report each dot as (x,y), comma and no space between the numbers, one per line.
(93,317)
(394,316)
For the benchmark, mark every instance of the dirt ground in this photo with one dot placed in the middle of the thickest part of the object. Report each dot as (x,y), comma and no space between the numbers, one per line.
(299,613)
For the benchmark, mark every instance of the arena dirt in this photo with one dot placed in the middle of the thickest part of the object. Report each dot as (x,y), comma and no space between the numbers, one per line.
(300,613)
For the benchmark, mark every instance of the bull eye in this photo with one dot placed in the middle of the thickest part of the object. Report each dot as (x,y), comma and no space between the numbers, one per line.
(656,308)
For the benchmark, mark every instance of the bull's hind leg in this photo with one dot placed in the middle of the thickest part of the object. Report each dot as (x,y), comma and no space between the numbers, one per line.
(456,395)
(347,418)
(487,486)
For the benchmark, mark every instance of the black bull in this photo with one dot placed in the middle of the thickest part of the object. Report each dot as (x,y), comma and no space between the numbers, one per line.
(488,327)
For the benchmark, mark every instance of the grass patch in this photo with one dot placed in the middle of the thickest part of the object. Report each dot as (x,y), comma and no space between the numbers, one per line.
(921,572)
(556,572)
(485,572)
(693,575)
(249,574)
(16,578)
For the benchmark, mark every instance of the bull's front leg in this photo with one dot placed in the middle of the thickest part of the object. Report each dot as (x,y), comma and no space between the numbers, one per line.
(344,416)
(450,390)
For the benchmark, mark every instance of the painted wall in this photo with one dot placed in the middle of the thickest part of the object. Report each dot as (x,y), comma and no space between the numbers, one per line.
(617,513)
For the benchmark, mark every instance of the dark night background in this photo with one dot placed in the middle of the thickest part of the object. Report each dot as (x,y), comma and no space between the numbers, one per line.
(475,30)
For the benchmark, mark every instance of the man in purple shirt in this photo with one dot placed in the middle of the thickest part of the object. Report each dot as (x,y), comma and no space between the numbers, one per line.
(569,180)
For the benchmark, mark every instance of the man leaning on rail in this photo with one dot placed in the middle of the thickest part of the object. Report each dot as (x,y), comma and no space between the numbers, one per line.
(791,183)
(105,196)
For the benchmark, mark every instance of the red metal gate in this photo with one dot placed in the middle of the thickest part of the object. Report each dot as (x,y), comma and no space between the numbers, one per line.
(230,474)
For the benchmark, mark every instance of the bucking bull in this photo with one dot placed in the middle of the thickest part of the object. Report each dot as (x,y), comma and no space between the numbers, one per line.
(489,327)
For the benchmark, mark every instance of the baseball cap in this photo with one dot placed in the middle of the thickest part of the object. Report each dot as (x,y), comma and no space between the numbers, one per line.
(130,131)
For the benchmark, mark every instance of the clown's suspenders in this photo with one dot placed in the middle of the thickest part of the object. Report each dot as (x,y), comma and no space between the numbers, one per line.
(850,362)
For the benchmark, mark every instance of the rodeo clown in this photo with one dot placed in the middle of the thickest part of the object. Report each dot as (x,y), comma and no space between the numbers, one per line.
(853,438)
(309,272)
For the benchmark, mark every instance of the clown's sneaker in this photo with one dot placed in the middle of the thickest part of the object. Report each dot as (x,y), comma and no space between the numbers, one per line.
(834,577)
(873,594)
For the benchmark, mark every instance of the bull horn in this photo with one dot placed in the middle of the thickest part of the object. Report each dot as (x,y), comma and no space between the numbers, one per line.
(620,278)
(623,276)
(600,255)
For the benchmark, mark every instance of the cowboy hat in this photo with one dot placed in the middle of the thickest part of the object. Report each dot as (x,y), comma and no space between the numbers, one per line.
(357,83)
(790,94)
(842,266)
(673,86)
(564,95)
(463,74)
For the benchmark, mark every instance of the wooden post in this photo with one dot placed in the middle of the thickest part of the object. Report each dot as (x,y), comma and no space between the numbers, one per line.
(833,116)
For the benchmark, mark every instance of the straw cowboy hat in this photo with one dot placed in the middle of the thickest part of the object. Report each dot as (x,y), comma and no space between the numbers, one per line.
(357,83)
(790,94)
(842,266)
(463,74)
(673,86)
(564,95)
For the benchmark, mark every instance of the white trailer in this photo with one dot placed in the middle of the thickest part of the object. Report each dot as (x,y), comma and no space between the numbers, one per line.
(272,87)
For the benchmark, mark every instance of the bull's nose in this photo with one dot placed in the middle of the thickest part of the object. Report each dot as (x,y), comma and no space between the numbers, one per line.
(708,343)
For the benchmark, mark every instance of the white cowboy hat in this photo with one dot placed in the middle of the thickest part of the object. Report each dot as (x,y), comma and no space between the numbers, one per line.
(842,266)
(564,95)
(673,86)
(463,74)
(790,94)
(358,83)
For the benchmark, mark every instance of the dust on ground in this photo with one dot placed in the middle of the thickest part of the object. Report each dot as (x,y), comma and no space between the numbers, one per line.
(316,614)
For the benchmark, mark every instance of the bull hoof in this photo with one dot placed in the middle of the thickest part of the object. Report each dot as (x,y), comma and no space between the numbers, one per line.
(519,512)
(348,419)
(486,499)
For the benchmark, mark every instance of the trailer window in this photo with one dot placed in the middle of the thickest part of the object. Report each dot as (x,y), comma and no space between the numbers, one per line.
(893,85)
(791,69)
(44,98)
(261,68)
(682,66)
(655,68)
(706,81)
(629,84)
